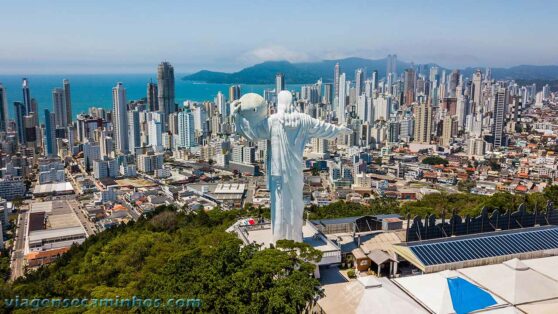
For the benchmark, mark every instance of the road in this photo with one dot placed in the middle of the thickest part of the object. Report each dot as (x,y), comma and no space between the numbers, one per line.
(90,228)
(18,262)
(76,186)
(86,175)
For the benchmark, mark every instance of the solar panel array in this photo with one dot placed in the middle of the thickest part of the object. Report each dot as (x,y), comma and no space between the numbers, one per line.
(487,246)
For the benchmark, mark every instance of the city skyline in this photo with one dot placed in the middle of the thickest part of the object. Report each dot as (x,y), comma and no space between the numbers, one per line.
(450,34)
(405,161)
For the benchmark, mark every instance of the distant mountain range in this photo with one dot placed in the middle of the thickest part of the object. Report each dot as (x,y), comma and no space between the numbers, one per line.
(310,72)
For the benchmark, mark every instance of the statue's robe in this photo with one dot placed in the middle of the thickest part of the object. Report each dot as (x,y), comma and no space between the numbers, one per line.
(288,134)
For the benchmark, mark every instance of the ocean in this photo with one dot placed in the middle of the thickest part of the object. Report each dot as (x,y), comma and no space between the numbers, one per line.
(96,90)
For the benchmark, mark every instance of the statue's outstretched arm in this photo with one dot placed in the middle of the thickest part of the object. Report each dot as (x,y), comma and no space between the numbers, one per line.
(321,129)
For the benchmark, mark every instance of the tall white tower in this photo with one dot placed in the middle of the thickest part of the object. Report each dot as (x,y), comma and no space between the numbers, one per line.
(120,118)
(342,99)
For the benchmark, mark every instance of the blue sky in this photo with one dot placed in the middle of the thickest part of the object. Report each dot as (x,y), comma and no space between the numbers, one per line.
(105,36)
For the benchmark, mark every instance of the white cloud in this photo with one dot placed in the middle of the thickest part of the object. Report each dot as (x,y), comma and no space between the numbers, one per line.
(274,53)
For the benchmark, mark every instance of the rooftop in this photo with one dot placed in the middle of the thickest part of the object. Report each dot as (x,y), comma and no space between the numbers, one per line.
(40,235)
(479,249)
(49,188)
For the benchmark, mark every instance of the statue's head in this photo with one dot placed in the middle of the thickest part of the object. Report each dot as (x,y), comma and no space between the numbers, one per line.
(284,100)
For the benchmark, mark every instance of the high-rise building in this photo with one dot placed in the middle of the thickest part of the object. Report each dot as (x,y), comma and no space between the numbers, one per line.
(477,90)
(200,119)
(222,105)
(152,97)
(393,131)
(391,65)
(279,82)
(500,108)
(134,130)
(106,145)
(186,129)
(327,94)
(448,130)
(423,123)
(409,89)
(154,127)
(58,107)
(364,109)
(545,92)
(26,96)
(382,108)
(50,138)
(374,80)
(336,74)
(119,118)
(3,109)
(434,76)
(165,84)
(30,129)
(453,82)
(234,92)
(342,99)
(67,101)
(19,110)
(359,82)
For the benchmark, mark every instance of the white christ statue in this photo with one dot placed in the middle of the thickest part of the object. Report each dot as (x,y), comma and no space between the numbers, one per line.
(288,131)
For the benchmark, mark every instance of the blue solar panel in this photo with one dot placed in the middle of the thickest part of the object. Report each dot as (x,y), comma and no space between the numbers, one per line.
(485,245)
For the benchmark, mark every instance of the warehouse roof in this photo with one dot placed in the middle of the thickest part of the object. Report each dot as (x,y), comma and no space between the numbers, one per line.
(480,246)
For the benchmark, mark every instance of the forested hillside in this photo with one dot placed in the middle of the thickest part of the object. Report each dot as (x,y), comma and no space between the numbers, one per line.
(173,255)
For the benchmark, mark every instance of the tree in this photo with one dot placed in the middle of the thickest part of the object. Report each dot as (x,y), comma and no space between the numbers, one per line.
(551,193)
(435,160)
(170,254)
(466,185)
(315,170)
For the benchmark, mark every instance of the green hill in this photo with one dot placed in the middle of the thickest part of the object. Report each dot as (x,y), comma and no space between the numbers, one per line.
(295,73)
(310,72)
(173,255)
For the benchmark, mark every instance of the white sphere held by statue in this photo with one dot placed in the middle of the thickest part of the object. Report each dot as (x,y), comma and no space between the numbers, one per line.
(253,107)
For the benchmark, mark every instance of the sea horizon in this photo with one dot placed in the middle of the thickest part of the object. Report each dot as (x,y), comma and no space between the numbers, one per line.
(95,90)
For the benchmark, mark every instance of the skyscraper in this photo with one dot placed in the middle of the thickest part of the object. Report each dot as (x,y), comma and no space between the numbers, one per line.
(234,92)
(26,96)
(3,109)
(454,81)
(134,130)
(342,99)
(165,82)
(19,109)
(154,129)
(58,107)
(434,77)
(106,145)
(477,89)
(336,80)
(327,94)
(500,108)
(391,67)
(409,86)
(119,118)
(279,82)
(186,129)
(222,105)
(50,136)
(152,97)
(374,80)
(388,65)
(448,130)
(67,102)
(359,81)
(423,123)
